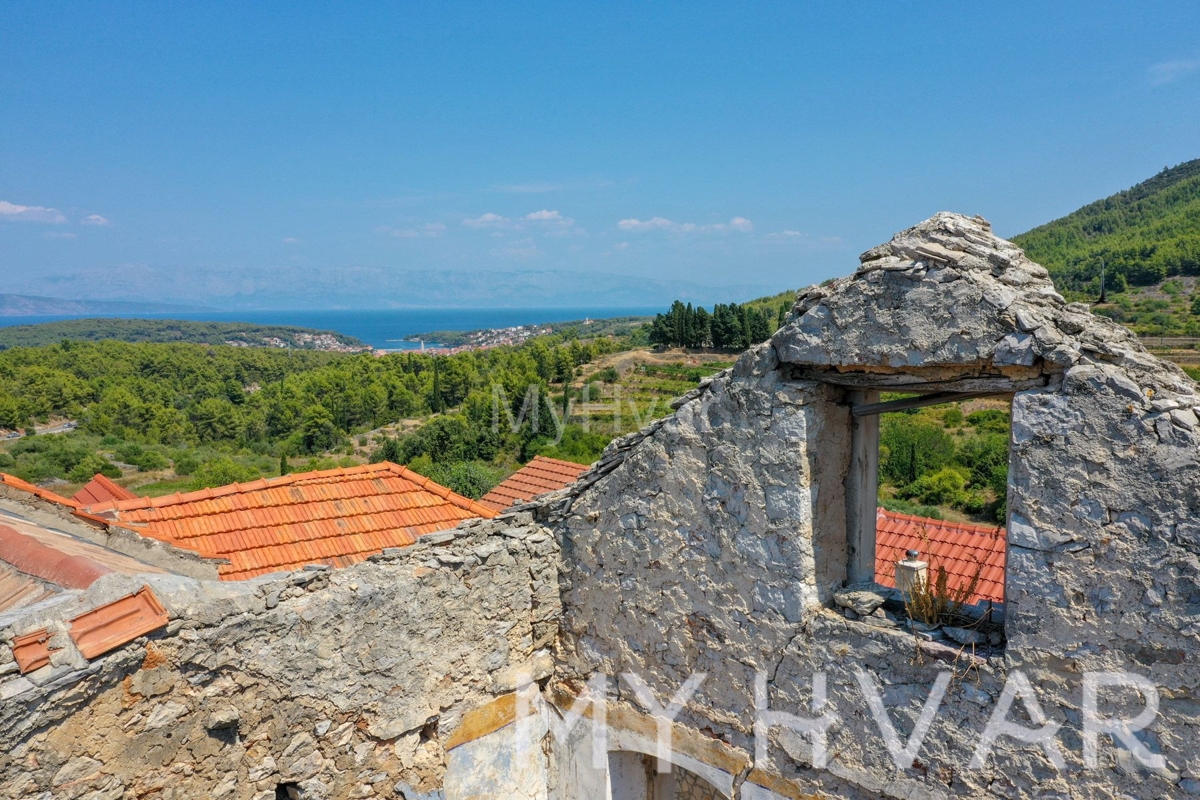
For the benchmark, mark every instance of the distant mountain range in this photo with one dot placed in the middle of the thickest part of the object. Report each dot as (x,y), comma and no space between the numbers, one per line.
(21,305)
(372,288)
(1143,234)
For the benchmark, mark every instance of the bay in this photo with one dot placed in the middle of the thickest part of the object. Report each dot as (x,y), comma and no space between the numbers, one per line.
(382,329)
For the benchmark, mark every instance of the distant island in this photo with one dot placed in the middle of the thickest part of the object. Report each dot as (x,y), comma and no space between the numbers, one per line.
(23,305)
(237,334)
(493,337)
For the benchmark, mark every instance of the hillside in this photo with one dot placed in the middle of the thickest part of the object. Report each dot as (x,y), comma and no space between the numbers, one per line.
(21,305)
(490,337)
(242,334)
(1143,234)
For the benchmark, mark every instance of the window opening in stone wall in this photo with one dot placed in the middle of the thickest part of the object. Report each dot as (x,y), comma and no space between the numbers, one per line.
(927,512)
(635,776)
(288,791)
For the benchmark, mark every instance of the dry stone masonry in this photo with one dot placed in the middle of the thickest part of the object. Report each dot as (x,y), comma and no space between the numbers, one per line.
(692,582)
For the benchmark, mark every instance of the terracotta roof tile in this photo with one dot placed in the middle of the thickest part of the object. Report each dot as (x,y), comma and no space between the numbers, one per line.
(58,558)
(101,490)
(338,516)
(958,547)
(45,494)
(18,589)
(539,476)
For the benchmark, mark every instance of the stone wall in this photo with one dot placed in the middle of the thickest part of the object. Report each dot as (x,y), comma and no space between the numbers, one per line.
(700,555)
(708,543)
(334,684)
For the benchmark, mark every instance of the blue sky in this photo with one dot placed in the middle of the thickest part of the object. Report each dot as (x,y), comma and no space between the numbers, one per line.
(223,151)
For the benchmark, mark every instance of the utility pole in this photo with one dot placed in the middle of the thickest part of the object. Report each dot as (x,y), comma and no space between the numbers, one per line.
(1103,288)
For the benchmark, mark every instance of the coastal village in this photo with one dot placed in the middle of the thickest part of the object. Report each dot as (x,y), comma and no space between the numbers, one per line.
(568,401)
(365,631)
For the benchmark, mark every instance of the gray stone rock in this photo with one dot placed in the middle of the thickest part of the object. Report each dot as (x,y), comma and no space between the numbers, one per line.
(223,718)
(861,598)
(965,636)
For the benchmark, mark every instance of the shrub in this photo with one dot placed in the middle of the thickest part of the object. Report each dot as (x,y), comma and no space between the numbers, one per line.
(982,455)
(912,449)
(606,375)
(468,478)
(989,420)
(88,466)
(220,472)
(946,487)
(145,460)
(186,465)
(905,507)
(953,417)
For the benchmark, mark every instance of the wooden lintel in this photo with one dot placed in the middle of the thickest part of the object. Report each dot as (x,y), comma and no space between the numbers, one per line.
(918,384)
(904,404)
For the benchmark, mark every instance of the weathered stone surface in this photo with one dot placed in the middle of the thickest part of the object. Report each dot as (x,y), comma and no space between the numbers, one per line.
(672,550)
(241,697)
(965,636)
(862,598)
(712,543)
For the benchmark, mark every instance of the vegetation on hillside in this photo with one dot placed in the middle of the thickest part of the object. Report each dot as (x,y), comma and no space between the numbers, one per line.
(1139,236)
(729,326)
(589,328)
(946,461)
(220,413)
(166,330)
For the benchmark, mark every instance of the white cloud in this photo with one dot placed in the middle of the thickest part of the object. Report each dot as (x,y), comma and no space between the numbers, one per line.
(550,222)
(291,240)
(488,220)
(621,246)
(1170,71)
(58,235)
(93,219)
(737,224)
(11,212)
(652,224)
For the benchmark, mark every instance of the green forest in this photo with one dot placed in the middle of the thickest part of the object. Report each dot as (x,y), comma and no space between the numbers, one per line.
(1138,237)
(162,330)
(216,414)
(190,411)
(947,461)
(730,326)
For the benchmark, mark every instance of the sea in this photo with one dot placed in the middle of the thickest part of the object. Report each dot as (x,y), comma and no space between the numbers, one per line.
(382,329)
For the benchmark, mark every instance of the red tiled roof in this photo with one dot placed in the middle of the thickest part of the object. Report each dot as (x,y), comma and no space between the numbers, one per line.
(18,589)
(97,631)
(337,517)
(101,490)
(45,494)
(958,547)
(33,557)
(537,477)
(36,562)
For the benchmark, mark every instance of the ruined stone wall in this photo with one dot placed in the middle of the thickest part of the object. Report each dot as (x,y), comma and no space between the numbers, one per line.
(336,684)
(703,546)
(698,549)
